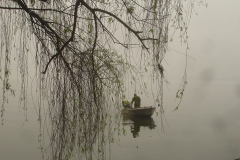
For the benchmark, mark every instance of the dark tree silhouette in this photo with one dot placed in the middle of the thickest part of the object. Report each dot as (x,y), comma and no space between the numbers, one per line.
(82,49)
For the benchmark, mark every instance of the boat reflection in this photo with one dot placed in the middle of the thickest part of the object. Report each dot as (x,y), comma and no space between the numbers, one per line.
(136,122)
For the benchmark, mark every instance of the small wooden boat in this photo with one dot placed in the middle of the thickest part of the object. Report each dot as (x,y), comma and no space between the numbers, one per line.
(139,112)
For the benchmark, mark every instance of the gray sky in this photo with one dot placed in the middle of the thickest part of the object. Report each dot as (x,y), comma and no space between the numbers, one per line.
(214,42)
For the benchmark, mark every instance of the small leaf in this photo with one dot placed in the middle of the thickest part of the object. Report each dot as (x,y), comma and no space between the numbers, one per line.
(130,10)
(32,2)
(110,20)
(90,28)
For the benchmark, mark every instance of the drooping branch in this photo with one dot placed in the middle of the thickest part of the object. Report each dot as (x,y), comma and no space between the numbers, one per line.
(136,33)
(57,36)
(77,48)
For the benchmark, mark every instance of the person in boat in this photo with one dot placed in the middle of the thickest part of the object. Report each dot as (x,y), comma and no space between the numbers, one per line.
(137,101)
(126,104)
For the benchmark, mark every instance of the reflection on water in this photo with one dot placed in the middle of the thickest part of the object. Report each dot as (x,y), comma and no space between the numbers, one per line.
(136,123)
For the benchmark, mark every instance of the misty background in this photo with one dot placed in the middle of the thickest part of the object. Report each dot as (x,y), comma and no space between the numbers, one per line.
(207,123)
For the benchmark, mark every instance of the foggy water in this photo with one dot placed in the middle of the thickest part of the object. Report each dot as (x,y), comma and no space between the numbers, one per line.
(205,127)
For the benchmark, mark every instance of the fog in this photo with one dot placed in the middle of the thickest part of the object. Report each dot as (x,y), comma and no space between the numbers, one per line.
(214,44)
(205,126)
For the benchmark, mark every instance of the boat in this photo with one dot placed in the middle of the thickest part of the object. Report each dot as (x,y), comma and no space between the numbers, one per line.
(139,112)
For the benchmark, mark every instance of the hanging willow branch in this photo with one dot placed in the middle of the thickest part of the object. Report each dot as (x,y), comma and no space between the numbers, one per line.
(79,67)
